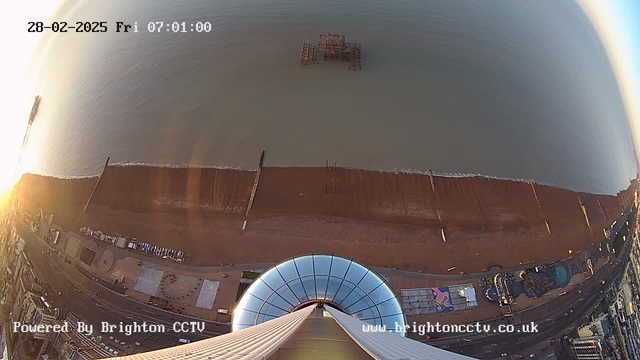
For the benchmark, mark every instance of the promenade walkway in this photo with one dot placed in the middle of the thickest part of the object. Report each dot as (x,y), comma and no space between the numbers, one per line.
(125,263)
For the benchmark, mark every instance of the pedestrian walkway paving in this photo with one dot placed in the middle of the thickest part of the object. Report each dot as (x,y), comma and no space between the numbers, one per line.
(127,265)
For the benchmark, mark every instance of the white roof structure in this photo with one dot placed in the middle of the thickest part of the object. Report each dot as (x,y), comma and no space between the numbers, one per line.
(266,339)
(469,292)
(387,345)
(208,293)
(256,342)
(148,280)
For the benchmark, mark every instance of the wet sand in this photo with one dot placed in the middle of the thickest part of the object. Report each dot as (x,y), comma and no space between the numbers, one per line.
(379,218)
(165,189)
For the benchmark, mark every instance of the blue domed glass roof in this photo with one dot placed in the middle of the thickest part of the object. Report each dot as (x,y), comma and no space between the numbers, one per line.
(342,283)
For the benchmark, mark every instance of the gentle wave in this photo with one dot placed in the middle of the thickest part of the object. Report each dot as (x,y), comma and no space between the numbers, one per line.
(177,166)
(69,177)
(457,175)
(391,171)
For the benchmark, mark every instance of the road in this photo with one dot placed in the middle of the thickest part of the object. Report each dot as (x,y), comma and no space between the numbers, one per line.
(556,322)
(72,291)
(492,345)
(558,314)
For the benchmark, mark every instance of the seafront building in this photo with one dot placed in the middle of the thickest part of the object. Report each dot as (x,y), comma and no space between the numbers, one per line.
(73,345)
(35,312)
(587,348)
(614,329)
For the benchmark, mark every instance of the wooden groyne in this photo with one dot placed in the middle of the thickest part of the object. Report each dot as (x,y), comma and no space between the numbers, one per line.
(95,187)
(255,184)
(443,202)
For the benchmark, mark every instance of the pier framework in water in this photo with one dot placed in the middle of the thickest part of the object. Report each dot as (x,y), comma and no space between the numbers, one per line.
(333,47)
(308,53)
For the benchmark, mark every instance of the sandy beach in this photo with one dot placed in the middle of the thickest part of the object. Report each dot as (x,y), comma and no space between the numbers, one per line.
(379,218)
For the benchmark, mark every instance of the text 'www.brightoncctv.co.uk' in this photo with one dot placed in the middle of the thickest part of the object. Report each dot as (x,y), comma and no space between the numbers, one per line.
(477,328)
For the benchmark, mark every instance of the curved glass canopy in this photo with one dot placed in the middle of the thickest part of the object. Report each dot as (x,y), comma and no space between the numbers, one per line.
(342,283)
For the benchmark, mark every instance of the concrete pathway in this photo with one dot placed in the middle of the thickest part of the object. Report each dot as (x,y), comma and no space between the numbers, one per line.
(119,254)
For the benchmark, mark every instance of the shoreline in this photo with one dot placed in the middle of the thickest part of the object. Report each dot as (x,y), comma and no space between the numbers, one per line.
(379,218)
(407,171)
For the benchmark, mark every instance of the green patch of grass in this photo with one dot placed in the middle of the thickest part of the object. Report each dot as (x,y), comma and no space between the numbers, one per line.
(250,275)
(618,242)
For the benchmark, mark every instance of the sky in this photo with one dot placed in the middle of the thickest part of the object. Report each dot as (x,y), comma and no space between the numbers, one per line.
(617,22)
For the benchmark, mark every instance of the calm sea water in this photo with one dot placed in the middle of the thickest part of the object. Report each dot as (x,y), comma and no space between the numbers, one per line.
(505,88)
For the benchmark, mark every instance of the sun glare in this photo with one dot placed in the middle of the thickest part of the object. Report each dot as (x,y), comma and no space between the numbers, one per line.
(5,195)
(17,92)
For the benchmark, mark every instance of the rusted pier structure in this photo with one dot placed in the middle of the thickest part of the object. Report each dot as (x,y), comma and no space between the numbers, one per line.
(308,53)
(333,47)
(354,56)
